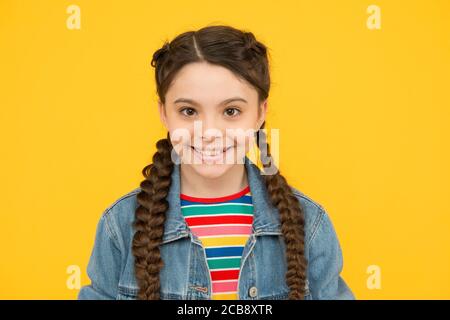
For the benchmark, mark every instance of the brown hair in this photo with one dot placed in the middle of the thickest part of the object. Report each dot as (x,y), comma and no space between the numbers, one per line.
(247,58)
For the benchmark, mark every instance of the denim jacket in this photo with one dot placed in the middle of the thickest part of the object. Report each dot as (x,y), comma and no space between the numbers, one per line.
(185,274)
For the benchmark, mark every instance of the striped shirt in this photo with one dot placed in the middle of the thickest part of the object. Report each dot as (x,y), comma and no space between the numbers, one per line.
(223,225)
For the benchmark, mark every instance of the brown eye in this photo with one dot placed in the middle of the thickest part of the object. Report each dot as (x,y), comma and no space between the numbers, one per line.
(232,112)
(189,111)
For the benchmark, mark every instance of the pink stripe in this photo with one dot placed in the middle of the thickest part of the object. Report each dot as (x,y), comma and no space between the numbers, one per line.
(224,286)
(221,230)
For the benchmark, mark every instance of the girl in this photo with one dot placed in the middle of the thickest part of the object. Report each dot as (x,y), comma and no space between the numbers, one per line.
(199,227)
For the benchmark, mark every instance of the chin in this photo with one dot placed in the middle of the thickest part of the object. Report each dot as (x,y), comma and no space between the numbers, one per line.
(211,170)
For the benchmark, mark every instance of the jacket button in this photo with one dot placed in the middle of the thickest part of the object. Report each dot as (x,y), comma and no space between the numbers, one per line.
(253,292)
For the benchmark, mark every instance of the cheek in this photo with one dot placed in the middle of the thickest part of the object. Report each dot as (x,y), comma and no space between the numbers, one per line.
(244,140)
(180,137)
(249,143)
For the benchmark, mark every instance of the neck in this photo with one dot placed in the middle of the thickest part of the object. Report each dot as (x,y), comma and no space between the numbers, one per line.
(193,184)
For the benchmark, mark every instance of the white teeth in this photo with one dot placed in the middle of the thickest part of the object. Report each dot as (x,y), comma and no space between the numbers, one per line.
(211,153)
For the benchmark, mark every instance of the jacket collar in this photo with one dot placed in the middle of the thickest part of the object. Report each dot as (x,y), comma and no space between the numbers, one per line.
(265,216)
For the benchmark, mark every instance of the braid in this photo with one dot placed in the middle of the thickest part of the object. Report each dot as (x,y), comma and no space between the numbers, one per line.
(149,221)
(292,223)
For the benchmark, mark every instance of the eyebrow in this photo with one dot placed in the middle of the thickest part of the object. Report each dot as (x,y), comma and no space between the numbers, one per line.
(186,100)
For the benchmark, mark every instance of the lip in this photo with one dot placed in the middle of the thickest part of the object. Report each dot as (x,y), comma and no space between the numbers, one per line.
(212,150)
(211,155)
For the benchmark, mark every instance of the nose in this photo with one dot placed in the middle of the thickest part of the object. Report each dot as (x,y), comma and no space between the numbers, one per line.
(209,131)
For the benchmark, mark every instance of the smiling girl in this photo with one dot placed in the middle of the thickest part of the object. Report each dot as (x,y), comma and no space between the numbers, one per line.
(206,222)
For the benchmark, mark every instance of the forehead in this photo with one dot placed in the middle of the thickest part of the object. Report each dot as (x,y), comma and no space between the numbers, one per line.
(209,84)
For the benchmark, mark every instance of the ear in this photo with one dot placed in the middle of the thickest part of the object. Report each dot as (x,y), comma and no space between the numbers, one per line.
(162,114)
(262,113)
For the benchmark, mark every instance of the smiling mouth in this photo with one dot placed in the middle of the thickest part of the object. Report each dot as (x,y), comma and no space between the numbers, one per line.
(211,153)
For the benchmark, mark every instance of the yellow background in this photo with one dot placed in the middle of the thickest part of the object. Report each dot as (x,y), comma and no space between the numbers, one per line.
(363,118)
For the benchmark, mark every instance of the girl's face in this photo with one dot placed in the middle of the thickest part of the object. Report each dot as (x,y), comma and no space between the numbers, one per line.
(211,116)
